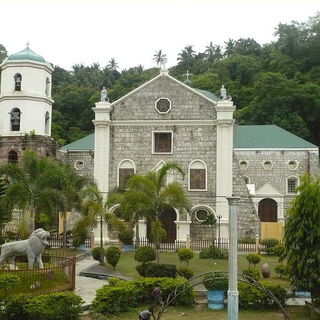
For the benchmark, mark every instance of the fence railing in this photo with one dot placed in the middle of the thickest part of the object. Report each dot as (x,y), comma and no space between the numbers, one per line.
(198,245)
(58,275)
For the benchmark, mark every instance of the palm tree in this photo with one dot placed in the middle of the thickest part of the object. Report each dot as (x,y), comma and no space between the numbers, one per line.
(33,186)
(94,210)
(149,196)
(112,64)
(160,58)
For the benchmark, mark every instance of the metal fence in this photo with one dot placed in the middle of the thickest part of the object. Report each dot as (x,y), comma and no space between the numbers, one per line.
(58,275)
(198,245)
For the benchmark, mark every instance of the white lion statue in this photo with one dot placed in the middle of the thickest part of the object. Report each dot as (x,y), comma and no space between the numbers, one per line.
(32,248)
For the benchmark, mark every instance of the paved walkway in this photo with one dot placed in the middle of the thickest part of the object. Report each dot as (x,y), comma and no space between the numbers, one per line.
(86,287)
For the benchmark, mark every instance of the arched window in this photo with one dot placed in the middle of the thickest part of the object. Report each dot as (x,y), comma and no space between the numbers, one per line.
(15,117)
(12,157)
(17,82)
(292,184)
(268,210)
(126,169)
(48,87)
(47,122)
(197,175)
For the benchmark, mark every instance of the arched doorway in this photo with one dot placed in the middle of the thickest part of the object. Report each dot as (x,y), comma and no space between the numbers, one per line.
(268,210)
(167,219)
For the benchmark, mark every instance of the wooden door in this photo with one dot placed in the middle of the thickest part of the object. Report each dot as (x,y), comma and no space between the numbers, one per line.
(268,210)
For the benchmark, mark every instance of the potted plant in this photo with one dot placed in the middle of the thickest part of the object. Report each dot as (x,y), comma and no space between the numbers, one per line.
(126,237)
(216,285)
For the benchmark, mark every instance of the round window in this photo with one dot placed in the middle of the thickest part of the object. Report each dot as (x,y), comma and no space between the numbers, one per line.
(243,165)
(292,165)
(79,165)
(201,214)
(267,165)
(163,105)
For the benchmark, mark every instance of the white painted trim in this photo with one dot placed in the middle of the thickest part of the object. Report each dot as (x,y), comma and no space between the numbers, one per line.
(158,165)
(296,167)
(119,164)
(206,175)
(26,63)
(163,98)
(152,144)
(263,162)
(167,122)
(241,161)
(276,149)
(22,96)
(298,183)
(75,163)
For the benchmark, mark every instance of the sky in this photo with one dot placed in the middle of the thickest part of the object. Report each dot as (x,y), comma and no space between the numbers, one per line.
(68,32)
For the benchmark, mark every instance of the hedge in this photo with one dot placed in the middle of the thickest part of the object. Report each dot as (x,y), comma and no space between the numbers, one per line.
(121,296)
(61,305)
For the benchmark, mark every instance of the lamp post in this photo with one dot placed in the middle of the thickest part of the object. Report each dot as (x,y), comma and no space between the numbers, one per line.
(233,294)
(219,218)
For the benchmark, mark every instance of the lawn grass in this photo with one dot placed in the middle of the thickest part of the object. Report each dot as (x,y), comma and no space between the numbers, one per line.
(127,264)
(204,313)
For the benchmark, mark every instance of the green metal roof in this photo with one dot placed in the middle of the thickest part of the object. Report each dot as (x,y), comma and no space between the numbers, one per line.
(86,143)
(208,94)
(268,136)
(26,54)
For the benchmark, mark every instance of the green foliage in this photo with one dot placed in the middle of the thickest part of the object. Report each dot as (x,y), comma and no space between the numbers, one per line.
(185,255)
(212,253)
(8,281)
(252,297)
(247,240)
(253,259)
(281,270)
(215,282)
(161,270)
(269,244)
(121,296)
(62,305)
(278,250)
(252,273)
(302,233)
(113,255)
(126,236)
(80,231)
(185,272)
(96,253)
(145,254)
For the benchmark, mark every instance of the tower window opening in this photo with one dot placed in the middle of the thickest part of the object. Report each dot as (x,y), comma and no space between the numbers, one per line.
(17,82)
(15,117)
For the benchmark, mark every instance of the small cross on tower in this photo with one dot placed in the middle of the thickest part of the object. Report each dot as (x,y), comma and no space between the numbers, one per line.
(28,44)
(187,75)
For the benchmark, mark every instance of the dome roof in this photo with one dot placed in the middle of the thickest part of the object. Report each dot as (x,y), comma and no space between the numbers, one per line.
(26,54)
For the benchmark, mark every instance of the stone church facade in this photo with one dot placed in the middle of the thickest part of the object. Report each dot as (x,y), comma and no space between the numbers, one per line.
(163,120)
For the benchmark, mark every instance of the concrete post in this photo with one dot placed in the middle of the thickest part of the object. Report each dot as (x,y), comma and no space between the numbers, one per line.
(188,242)
(233,294)
(257,243)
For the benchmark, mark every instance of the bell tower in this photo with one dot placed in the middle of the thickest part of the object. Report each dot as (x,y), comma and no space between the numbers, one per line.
(25,105)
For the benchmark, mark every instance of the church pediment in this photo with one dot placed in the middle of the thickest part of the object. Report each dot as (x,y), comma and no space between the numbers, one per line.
(268,189)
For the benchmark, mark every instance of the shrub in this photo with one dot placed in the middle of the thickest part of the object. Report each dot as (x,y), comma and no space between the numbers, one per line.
(252,273)
(113,255)
(141,269)
(185,255)
(269,244)
(145,254)
(2,240)
(212,253)
(122,296)
(247,240)
(61,305)
(253,258)
(126,236)
(96,253)
(8,281)
(278,250)
(161,270)
(185,272)
(281,270)
(250,296)
(215,282)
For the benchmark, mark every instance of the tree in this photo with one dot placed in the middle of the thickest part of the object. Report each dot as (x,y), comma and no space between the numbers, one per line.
(112,64)
(149,196)
(302,236)
(186,58)
(94,210)
(3,52)
(33,186)
(160,58)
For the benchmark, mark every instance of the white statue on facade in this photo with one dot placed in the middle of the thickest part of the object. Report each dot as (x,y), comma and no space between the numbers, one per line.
(223,93)
(104,95)
(32,248)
